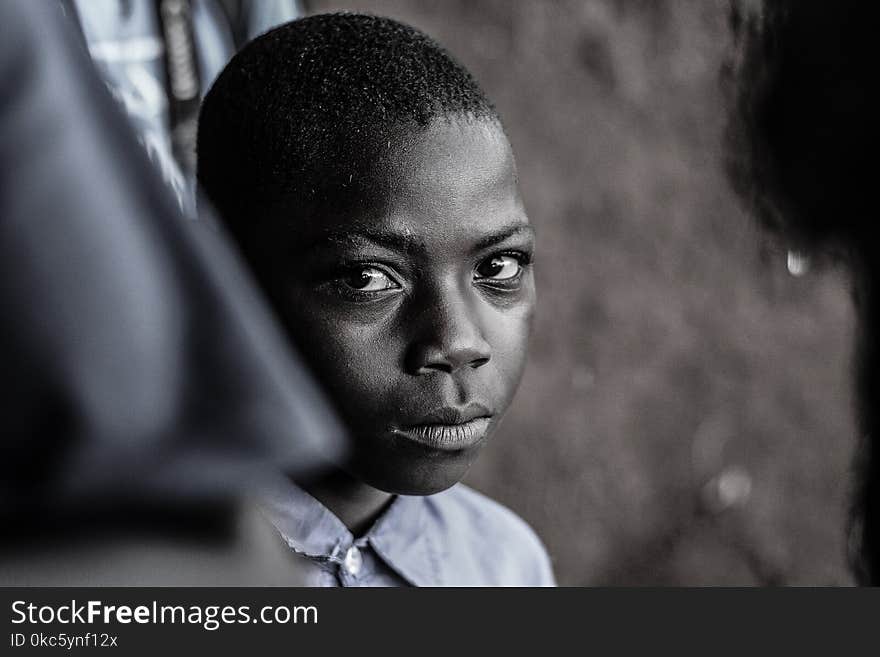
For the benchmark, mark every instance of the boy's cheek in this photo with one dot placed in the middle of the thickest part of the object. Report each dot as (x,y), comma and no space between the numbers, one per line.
(530,301)
(318,312)
(510,330)
(510,350)
(345,349)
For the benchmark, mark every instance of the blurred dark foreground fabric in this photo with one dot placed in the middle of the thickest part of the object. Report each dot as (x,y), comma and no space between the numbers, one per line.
(145,387)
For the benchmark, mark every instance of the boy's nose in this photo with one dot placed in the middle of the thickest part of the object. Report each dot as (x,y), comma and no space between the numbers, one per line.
(429,359)
(452,340)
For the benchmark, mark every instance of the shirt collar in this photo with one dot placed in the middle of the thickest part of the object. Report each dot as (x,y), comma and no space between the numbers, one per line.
(400,536)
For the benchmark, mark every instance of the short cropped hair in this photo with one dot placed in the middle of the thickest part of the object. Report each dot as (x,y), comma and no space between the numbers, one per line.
(301,103)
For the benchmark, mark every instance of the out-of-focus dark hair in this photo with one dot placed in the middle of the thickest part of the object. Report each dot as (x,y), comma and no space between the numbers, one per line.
(801,153)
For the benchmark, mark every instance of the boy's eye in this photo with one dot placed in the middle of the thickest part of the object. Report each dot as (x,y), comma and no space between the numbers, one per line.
(499,268)
(369,279)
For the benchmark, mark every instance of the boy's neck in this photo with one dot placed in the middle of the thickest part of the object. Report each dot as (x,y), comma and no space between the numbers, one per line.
(356,504)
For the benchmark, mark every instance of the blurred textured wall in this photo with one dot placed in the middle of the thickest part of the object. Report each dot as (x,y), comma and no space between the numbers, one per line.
(686,415)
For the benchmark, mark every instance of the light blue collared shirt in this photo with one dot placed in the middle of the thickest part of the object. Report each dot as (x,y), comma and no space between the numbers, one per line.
(455,538)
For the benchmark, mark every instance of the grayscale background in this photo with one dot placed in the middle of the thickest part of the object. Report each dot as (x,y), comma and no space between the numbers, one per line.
(686,417)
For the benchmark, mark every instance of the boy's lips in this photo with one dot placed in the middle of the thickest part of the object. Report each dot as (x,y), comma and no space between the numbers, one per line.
(450,428)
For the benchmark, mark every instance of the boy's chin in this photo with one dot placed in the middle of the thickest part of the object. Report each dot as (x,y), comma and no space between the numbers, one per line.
(414,488)
(403,477)
(417,488)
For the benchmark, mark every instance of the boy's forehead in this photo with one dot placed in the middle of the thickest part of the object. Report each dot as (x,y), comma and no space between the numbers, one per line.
(455,177)
(453,153)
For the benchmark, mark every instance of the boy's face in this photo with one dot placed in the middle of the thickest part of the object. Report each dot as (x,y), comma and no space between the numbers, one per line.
(411,295)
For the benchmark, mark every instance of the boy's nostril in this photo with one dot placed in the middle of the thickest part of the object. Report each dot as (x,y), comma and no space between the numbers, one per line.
(446,363)
(436,367)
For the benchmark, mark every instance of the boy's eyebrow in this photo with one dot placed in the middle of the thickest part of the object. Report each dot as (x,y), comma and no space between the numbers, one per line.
(503,234)
(408,243)
(387,239)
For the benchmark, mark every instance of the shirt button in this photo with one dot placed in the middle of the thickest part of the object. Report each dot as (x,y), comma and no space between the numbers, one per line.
(353,560)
